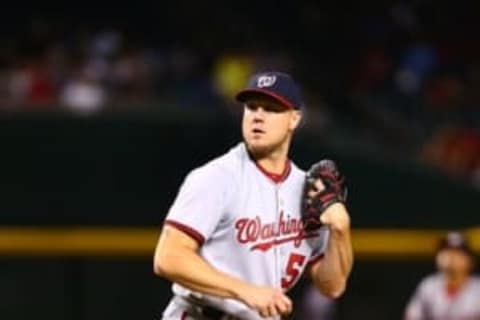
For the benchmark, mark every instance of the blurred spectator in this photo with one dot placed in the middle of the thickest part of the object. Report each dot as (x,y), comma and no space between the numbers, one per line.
(41,89)
(453,292)
(84,94)
(455,150)
(19,84)
(230,74)
(31,84)
(105,44)
(374,70)
(414,71)
(131,77)
(416,64)
(4,93)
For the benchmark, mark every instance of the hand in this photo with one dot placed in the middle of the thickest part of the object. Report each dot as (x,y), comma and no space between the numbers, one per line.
(269,302)
(324,186)
(336,217)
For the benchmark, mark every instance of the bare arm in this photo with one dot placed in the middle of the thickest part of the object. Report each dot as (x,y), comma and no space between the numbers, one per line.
(331,273)
(176,259)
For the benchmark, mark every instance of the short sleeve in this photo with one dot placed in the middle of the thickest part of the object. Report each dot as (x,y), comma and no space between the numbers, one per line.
(200,203)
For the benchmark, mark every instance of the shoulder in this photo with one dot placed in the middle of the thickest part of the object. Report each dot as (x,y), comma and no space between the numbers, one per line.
(232,161)
(475,279)
(431,282)
(221,168)
(296,171)
(296,175)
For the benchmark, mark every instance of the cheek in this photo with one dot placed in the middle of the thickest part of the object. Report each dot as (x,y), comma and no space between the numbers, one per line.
(441,260)
(283,122)
(279,127)
(463,263)
(245,120)
(458,262)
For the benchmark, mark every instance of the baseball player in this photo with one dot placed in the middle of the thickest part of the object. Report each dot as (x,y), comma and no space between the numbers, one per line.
(452,293)
(245,226)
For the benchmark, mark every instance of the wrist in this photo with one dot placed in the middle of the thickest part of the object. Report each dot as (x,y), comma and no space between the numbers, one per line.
(237,289)
(336,217)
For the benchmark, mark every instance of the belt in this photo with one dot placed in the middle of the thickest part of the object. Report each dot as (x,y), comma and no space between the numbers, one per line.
(213,313)
(204,312)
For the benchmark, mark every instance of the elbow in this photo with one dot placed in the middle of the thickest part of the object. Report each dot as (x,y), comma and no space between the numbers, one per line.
(334,291)
(163,265)
(159,267)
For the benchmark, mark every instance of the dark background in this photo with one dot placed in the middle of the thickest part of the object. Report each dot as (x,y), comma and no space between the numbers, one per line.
(392,96)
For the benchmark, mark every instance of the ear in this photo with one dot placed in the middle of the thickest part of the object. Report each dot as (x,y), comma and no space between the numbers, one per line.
(296,117)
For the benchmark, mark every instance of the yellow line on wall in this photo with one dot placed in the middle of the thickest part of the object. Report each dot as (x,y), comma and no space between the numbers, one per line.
(80,241)
(130,242)
(395,243)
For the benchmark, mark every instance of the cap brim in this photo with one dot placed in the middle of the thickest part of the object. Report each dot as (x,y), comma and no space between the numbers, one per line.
(245,94)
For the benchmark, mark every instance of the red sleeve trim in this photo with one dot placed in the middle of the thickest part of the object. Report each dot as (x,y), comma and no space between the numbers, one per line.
(197,236)
(315,259)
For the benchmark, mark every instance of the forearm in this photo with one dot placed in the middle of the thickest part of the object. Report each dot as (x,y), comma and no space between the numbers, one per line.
(337,261)
(196,274)
(184,266)
(331,273)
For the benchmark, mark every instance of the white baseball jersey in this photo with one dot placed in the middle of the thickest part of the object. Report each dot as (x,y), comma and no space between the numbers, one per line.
(248,224)
(432,301)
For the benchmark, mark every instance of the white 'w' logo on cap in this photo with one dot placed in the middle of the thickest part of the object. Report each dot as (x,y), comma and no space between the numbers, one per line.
(266,81)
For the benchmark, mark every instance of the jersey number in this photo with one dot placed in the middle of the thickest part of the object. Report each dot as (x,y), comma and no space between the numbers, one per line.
(295,261)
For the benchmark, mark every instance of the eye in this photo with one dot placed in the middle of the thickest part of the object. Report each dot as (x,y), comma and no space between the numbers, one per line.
(266,106)
(274,107)
(252,106)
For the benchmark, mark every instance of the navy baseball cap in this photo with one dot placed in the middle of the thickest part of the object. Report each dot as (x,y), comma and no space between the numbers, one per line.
(454,240)
(277,85)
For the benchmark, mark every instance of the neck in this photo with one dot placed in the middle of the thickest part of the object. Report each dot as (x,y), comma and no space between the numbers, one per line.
(455,281)
(272,161)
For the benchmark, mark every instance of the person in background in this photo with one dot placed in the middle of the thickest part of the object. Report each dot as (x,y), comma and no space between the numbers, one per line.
(453,292)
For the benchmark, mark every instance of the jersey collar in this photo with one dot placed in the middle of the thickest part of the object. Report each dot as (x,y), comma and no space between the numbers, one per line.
(276,178)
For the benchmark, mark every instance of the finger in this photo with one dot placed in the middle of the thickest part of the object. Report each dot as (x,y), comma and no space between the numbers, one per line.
(319,185)
(263,312)
(312,193)
(288,303)
(272,310)
(282,307)
(281,303)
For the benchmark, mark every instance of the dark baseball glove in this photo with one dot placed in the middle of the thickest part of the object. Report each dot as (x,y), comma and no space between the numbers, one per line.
(316,200)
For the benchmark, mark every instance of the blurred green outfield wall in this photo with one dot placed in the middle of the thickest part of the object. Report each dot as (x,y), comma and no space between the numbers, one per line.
(125,169)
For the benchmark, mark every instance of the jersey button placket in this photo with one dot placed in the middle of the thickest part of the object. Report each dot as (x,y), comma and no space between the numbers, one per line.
(279,212)
(279,248)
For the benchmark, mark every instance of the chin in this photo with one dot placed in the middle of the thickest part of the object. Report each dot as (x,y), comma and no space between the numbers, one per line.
(259,150)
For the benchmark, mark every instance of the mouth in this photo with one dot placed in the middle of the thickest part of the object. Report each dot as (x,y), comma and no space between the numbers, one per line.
(258,131)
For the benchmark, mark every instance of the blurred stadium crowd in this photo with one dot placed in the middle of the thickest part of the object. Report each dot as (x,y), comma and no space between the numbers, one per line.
(402,75)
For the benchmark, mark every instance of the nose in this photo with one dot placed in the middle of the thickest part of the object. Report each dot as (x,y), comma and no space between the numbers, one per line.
(258,114)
